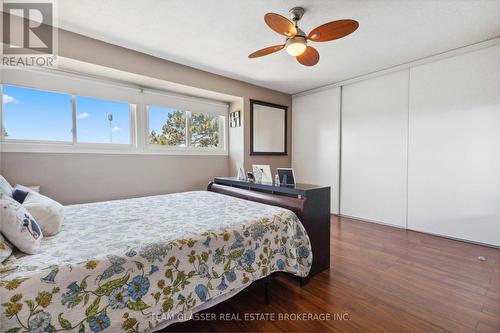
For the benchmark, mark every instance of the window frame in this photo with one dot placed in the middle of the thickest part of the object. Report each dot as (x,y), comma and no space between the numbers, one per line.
(77,85)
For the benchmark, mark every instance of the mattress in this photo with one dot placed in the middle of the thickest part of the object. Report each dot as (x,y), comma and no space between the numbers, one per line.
(127,265)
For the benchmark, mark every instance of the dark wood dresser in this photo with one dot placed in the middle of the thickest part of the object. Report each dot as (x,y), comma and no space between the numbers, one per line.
(314,212)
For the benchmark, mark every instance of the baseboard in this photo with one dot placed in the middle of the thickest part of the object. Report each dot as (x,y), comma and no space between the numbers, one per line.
(419,231)
(371,221)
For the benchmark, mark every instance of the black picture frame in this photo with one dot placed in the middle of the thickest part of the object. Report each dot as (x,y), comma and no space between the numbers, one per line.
(286,176)
(285,109)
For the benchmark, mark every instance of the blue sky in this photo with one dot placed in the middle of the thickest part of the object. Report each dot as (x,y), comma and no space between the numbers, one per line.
(92,121)
(38,115)
(158,116)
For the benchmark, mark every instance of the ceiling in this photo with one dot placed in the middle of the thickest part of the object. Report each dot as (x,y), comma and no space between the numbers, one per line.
(217,35)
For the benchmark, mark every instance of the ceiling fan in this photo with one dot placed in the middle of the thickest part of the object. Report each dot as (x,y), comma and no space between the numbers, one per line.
(296,39)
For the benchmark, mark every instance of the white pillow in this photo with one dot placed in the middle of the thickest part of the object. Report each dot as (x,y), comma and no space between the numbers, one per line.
(5,188)
(19,227)
(48,213)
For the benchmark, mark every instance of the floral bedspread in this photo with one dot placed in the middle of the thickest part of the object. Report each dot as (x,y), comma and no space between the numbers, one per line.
(119,265)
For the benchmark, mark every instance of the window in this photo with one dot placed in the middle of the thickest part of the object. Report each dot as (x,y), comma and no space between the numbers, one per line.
(55,112)
(38,115)
(102,121)
(167,127)
(184,129)
(30,114)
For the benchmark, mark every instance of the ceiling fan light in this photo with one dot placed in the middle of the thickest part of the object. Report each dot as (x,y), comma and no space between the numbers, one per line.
(296,46)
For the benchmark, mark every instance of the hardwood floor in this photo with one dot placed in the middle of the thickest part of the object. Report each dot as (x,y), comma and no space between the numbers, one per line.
(386,280)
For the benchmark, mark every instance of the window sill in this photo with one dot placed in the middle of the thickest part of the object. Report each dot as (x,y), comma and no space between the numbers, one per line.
(65,148)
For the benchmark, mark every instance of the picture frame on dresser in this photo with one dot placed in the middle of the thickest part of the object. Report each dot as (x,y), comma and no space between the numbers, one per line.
(286,176)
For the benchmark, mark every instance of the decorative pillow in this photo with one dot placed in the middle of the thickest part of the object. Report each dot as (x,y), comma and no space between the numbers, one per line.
(5,188)
(5,249)
(19,227)
(48,213)
(24,188)
(20,192)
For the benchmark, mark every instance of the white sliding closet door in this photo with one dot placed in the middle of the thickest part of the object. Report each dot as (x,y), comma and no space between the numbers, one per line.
(454,151)
(316,139)
(374,149)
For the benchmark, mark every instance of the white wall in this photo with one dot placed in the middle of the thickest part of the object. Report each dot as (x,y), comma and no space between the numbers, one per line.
(454,147)
(420,147)
(374,154)
(236,141)
(316,137)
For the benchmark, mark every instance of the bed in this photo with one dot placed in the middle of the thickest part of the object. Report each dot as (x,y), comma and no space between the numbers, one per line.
(142,264)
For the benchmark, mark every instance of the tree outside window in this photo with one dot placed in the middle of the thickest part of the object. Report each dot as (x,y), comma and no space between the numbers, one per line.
(168,128)
(204,130)
(173,131)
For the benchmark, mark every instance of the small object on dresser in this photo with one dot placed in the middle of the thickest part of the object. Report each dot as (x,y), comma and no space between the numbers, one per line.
(276,180)
(241,174)
(250,177)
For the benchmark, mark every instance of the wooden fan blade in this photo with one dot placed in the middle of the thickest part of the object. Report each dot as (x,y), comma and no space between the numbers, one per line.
(266,51)
(310,57)
(280,24)
(333,30)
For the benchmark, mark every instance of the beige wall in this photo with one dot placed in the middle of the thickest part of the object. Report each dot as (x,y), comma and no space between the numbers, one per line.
(76,178)
(93,51)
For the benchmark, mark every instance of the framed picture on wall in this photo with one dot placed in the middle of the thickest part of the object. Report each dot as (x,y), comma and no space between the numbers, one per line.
(235,119)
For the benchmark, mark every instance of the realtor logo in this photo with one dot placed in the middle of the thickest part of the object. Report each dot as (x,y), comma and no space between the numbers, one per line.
(28,30)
